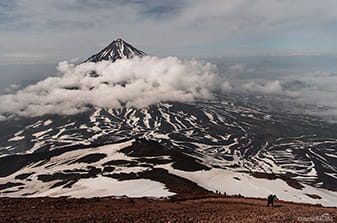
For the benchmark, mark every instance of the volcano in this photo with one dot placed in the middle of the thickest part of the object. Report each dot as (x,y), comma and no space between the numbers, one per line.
(232,143)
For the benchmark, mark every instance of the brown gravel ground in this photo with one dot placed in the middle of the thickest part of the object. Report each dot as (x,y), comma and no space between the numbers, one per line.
(211,208)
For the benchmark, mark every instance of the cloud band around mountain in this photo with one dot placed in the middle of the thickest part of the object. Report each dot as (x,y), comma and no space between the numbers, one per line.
(137,82)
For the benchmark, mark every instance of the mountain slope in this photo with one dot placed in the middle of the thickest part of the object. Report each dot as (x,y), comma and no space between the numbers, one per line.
(235,137)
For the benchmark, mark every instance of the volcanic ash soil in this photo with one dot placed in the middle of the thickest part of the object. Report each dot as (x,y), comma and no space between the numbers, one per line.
(191,209)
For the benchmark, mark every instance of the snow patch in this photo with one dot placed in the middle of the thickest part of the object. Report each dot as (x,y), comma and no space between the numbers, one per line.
(48,122)
(104,186)
(16,138)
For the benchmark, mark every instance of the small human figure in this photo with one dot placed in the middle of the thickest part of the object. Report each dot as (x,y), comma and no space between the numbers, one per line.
(270,200)
(132,201)
(173,199)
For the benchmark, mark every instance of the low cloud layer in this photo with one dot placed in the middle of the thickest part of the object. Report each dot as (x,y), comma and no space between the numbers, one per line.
(137,82)
(307,91)
(140,82)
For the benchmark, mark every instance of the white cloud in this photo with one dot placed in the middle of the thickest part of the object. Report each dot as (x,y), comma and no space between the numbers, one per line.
(237,68)
(11,88)
(137,82)
(270,87)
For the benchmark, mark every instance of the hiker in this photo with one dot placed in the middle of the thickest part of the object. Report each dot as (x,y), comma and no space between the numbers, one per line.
(270,200)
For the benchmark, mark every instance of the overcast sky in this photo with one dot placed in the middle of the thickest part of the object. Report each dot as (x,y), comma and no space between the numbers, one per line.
(48,31)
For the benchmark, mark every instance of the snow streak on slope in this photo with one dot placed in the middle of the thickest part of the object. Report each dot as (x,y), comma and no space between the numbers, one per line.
(226,133)
(111,170)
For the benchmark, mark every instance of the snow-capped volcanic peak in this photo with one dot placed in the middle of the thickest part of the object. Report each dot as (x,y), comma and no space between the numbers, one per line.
(118,49)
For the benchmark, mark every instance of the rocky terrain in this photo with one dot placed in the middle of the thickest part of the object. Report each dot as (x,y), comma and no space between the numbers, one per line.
(210,208)
(139,168)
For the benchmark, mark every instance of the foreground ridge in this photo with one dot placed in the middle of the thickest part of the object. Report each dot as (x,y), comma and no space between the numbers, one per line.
(220,209)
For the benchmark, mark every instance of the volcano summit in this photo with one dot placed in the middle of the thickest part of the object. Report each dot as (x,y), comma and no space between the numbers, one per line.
(118,49)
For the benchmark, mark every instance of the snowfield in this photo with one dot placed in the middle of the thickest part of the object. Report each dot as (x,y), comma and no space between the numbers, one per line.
(43,178)
(104,186)
(233,183)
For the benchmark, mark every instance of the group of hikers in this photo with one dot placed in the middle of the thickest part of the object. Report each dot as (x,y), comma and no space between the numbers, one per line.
(270,199)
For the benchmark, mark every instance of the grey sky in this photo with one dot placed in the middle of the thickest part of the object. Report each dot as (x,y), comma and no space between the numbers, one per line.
(47,31)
